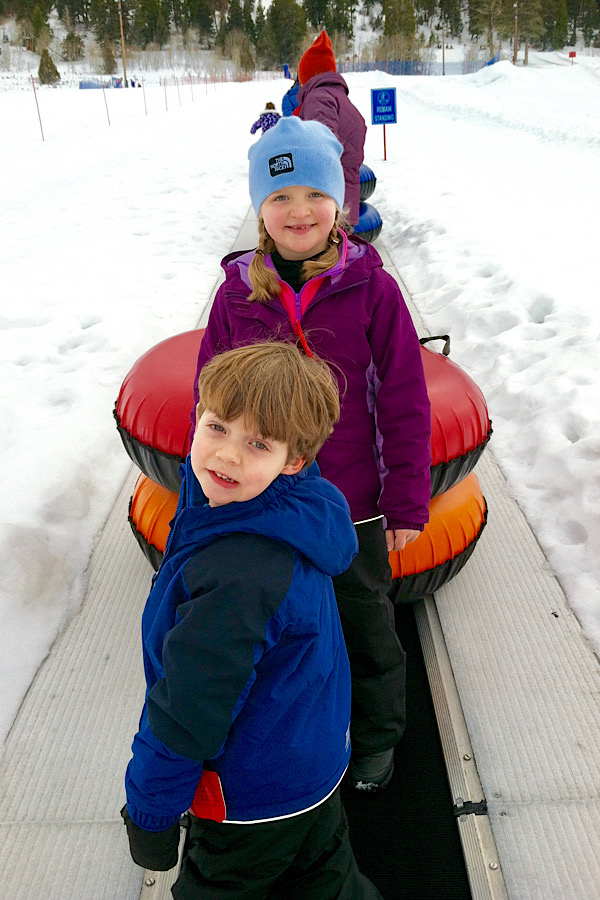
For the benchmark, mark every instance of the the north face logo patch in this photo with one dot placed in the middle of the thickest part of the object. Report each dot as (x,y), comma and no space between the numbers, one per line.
(280,164)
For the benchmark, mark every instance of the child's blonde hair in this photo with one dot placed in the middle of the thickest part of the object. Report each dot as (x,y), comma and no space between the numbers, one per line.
(290,397)
(265,282)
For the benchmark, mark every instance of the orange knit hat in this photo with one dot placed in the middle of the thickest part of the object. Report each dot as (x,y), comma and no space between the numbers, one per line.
(317,59)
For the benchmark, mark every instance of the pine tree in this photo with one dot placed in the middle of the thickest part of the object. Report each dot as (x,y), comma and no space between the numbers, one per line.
(23,9)
(283,34)
(287,27)
(235,17)
(104,19)
(199,14)
(152,22)
(317,12)
(222,32)
(71,12)
(267,46)
(176,11)
(259,22)
(486,17)
(573,8)
(588,21)
(339,17)
(450,13)
(399,17)
(47,72)
(425,11)
(73,47)
(40,30)
(530,24)
(556,22)
(247,15)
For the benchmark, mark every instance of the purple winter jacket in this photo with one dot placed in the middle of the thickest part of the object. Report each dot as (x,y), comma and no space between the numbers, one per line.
(266,120)
(325,99)
(379,453)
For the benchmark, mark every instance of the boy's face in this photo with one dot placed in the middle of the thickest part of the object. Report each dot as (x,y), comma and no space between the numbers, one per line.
(233,462)
(299,220)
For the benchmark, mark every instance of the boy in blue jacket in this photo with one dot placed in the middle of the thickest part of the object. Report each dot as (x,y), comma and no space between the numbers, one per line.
(247,711)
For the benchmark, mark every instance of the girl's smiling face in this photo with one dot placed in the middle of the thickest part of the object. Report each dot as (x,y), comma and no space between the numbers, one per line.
(233,462)
(299,219)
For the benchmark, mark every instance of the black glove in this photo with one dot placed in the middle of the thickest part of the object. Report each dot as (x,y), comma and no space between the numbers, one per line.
(156,850)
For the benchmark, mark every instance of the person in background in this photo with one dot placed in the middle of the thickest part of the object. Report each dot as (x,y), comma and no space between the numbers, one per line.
(308,281)
(290,99)
(247,711)
(267,119)
(323,96)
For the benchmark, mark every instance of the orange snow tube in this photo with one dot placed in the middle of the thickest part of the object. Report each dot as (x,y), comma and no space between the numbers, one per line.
(457,518)
(151,511)
(155,401)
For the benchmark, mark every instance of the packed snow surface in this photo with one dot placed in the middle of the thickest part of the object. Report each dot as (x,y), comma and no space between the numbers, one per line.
(111,238)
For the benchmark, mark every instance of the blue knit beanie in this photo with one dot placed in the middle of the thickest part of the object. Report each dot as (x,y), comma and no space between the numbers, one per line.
(295,152)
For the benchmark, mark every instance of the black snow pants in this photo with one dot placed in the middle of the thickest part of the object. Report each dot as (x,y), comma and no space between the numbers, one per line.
(377,660)
(303,857)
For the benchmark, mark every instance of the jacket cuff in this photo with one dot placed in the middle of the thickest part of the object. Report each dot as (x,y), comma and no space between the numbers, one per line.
(158,850)
(149,822)
(411,526)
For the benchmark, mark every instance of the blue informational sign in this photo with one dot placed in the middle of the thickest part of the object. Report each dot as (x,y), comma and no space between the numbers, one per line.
(383,106)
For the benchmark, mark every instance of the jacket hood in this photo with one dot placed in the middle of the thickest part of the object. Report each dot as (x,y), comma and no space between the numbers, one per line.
(329,79)
(360,258)
(305,511)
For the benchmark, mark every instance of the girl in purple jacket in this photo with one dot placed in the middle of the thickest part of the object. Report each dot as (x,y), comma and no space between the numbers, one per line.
(323,96)
(308,281)
(266,120)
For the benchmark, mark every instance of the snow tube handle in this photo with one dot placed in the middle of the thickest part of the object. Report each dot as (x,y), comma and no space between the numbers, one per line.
(438,337)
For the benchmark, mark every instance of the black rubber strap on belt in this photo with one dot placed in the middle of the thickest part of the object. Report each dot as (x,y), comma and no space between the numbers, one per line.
(467,808)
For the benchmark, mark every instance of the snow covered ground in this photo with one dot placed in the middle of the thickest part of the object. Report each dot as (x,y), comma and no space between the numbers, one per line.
(111,237)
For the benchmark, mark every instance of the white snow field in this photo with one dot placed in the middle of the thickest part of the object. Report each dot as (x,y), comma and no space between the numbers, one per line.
(111,239)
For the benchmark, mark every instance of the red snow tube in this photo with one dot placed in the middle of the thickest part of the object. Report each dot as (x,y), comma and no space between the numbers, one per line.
(154,406)
(456,520)
(460,425)
(156,398)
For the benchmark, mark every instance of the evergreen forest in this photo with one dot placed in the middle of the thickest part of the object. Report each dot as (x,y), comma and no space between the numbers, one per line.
(259,37)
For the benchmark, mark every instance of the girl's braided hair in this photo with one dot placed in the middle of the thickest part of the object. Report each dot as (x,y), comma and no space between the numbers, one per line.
(264,281)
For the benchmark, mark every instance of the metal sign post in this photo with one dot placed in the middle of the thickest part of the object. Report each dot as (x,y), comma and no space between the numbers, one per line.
(383,110)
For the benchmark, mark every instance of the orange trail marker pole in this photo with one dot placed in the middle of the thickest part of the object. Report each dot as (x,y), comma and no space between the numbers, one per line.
(38,107)
(105,103)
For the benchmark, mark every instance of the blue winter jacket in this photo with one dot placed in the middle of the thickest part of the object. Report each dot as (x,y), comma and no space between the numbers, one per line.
(246,668)
(290,99)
